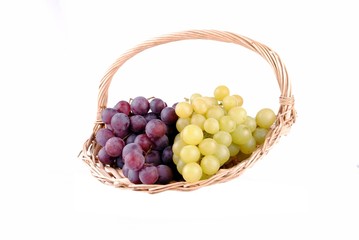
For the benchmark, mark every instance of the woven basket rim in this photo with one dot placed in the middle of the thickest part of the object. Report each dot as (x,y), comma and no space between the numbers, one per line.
(286,115)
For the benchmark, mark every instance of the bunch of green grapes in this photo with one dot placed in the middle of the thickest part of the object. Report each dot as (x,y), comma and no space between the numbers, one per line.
(214,129)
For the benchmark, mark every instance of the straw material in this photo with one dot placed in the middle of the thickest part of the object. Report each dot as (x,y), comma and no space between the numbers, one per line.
(286,115)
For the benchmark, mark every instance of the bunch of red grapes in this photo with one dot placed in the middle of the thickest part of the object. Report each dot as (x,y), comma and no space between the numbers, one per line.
(138,137)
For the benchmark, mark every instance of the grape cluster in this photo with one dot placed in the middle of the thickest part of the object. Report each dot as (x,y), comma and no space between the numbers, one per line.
(214,129)
(137,138)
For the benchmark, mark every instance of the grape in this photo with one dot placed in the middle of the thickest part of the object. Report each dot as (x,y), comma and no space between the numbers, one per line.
(180,164)
(167,154)
(249,146)
(169,116)
(192,134)
(229,102)
(148,175)
(149,116)
(123,107)
(160,143)
(144,141)
(198,119)
(184,109)
(226,123)
(192,172)
(122,133)
(238,114)
(125,170)
(211,125)
(190,153)
(131,138)
(265,118)
(165,174)
(103,135)
(182,123)
(215,112)
(104,157)
(241,134)
(210,164)
(175,159)
(210,101)
(131,147)
(208,146)
(239,99)
(260,135)
(153,158)
(107,114)
(223,137)
(156,105)
(120,122)
(250,123)
(194,96)
(140,105)
(177,146)
(220,92)
(137,123)
(119,162)
(155,129)
(233,149)
(134,160)
(199,105)
(114,146)
(222,154)
(133,176)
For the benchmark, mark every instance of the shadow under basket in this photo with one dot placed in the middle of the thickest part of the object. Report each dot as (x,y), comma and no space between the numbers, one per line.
(285,117)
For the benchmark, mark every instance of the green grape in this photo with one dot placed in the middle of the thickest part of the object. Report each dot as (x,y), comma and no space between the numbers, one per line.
(190,153)
(198,119)
(239,99)
(210,164)
(181,123)
(229,102)
(249,146)
(191,172)
(192,134)
(223,137)
(205,176)
(211,126)
(238,114)
(251,123)
(221,92)
(177,137)
(260,135)
(241,134)
(233,149)
(194,96)
(210,101)
(222,154)
(177,146)
(180,165)
(265,118)
(199,105)
(184,109)
(226,123)
(208,146)
(215,112)
(175,158)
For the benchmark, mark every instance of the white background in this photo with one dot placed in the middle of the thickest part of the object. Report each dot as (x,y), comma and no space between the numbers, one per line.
(53,55)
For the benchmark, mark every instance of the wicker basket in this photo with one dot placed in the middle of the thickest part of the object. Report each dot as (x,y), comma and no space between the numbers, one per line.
(285,117)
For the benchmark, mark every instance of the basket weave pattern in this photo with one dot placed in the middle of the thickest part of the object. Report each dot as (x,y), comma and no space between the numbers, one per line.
(286,114)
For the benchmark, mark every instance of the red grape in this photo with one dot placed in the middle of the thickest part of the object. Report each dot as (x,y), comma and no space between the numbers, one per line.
(148,175)
(123,107)
(107,114)
(134,160)
(103,135)
(114,146)
(156,105)
(140,105)
(120,122)
(165,174)
(155,129)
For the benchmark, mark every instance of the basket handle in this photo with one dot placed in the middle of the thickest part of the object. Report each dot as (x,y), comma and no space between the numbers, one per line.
(286,99)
